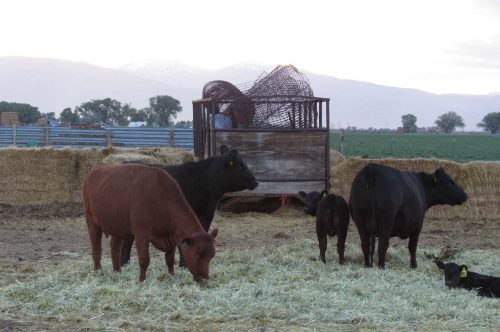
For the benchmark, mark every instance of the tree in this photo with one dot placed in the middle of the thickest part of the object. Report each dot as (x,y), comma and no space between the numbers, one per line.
(26,113)
(107,110)
(49,115)
(162,109)
(491,122)
(138,115)
(184,124)
(409,123)
(449,121)
(67,116)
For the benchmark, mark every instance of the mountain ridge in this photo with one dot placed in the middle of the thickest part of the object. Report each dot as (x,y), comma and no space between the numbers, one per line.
(53,85)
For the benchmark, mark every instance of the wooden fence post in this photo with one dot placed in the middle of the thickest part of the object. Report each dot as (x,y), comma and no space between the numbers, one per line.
(14,133)
(172,138)
(341,141)
(109,139)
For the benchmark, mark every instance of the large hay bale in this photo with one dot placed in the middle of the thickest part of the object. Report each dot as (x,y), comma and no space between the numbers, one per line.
(480,180)
(336,158)
(46,175)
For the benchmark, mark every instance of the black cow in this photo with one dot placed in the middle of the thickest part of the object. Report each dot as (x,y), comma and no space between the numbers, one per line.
(203,183)
(332,218)
(460,277)
(386,202)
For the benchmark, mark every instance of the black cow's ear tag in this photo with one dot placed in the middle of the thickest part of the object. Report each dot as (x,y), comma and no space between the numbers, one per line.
(463,272)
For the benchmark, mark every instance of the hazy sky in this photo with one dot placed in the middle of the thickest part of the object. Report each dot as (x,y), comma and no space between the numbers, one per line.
(441,46)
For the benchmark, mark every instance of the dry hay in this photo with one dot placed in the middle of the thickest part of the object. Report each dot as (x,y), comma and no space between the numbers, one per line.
(481,180)
(283,288)
(46,175)
(151,155)
(336,158)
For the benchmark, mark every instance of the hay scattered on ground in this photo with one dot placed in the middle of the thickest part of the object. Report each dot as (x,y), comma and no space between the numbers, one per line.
(283,288)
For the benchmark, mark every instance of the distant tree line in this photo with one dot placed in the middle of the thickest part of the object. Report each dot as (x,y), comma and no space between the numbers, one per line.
(448,122)
(163,109)
(160,113)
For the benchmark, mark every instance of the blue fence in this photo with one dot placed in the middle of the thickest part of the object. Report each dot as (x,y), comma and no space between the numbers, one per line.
(84,138)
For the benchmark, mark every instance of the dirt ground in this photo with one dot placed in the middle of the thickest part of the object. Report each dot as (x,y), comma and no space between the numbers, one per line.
(55,231)
(52,233)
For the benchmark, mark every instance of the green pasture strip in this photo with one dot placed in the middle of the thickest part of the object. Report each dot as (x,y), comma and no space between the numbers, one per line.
(458,147)
(284,288)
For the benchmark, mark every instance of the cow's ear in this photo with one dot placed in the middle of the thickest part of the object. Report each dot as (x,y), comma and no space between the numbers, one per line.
(302,194)
(228,160)
(438,173)
(439,263)
(214,233)
(463,269)
(223,149)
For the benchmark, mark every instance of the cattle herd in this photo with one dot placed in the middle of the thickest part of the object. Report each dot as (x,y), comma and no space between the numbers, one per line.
(172,206)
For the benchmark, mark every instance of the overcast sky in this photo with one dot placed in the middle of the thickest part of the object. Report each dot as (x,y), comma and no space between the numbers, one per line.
(440,46)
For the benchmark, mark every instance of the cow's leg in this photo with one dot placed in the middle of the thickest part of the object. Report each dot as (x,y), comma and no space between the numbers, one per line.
(169,259)
(142,246)
(116,244)
(322,238)
(125,251)
(372,248)
(383,244)
(365,247)
(341,237)
(322,241)
(181,259)
(412,247)
(95,234)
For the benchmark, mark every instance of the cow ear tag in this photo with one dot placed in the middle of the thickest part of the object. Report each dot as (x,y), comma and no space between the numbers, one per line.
(231,163)
(184,244)
(463,272)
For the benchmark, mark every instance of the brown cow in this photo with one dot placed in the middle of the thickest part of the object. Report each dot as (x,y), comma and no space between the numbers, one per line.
(130,201)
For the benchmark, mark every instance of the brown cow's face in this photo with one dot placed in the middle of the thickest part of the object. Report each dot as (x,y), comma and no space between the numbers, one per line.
(198,250)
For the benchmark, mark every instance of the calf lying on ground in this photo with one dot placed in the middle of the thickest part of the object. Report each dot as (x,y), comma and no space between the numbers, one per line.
(144,203)
(460,277)
(332,218)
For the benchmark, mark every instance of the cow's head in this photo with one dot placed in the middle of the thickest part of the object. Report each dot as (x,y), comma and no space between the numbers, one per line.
(445,190)
(453,273)
(312,199)
(237,176)
(197,251)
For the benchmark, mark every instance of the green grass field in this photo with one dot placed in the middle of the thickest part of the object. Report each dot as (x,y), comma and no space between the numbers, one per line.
(458,147)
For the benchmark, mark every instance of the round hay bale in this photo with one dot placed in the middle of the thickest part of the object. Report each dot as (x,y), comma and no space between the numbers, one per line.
(119,158)
(151,156)
(336,158)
